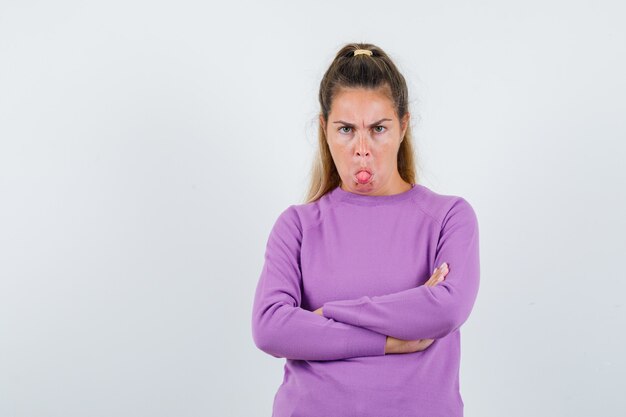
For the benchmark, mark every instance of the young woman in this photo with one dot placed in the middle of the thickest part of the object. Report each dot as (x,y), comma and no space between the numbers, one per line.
(366,285)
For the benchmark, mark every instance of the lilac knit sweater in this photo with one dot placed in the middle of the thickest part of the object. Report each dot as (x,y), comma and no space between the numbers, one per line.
(364,259)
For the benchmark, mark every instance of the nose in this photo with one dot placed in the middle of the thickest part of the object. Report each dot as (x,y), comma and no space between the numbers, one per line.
(362,145)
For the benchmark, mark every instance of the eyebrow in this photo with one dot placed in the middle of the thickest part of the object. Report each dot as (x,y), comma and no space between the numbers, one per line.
(372,125)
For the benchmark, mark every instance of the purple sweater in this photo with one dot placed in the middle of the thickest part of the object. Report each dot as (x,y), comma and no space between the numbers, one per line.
(364,259)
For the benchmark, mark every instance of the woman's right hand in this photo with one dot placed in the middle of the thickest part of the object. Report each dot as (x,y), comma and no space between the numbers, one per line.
(394,345)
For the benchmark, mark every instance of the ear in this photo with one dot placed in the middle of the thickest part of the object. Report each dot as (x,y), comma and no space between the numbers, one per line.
(322,122)
(405,123)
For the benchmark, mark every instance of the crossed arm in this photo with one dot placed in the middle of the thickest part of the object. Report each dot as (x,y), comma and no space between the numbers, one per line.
(359,327)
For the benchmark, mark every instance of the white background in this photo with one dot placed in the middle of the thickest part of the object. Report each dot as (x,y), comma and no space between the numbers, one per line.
(146,148)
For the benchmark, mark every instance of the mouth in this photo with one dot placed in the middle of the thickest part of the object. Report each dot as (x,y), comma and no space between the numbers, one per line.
(363,175)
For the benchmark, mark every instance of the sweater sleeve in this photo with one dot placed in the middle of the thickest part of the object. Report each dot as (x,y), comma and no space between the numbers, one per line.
(425,312)
(280,327)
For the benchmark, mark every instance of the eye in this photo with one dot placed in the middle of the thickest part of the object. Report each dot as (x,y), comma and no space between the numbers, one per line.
(344,127)
(380,131)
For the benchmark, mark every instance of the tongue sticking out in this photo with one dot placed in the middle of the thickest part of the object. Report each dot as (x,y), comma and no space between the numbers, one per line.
(363,176)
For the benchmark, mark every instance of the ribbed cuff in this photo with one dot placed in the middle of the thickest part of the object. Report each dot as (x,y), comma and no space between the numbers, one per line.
(367,343)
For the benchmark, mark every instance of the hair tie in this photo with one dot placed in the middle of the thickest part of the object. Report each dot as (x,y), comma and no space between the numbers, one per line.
(362,51)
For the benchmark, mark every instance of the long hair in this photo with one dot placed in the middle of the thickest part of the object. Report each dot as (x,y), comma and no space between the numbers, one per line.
(365,71)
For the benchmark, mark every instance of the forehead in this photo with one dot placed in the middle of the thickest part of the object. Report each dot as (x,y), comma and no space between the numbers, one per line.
(362,102)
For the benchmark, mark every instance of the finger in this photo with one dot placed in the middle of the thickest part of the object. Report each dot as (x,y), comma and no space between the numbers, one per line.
(442,270)
(437,276)
(433,280)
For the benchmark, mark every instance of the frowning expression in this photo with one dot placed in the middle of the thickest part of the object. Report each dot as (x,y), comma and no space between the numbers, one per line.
(364,134)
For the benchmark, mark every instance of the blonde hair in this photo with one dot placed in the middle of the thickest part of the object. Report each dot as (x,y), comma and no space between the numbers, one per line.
(373,71)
